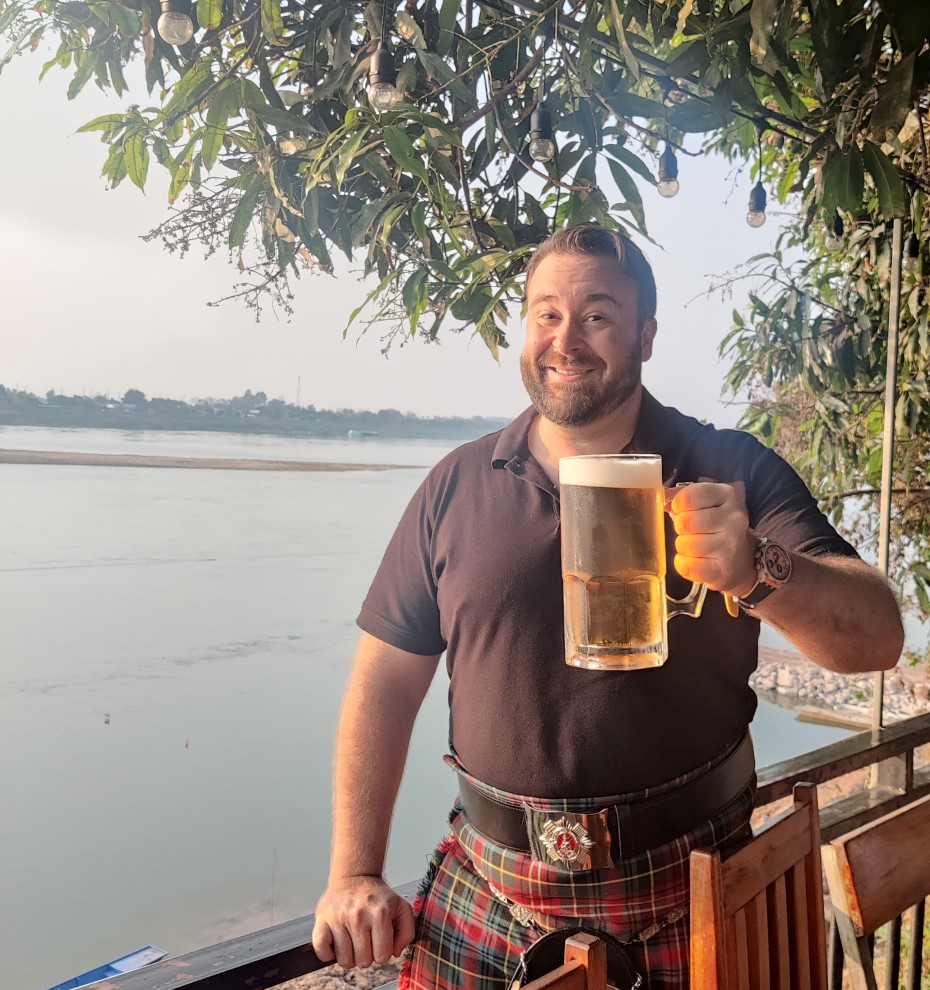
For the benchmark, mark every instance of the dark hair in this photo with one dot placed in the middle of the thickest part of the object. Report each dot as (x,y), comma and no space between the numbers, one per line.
(597,241)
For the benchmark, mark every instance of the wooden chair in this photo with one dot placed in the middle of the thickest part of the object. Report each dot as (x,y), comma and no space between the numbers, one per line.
(875,873)
(757,917)
(585,967)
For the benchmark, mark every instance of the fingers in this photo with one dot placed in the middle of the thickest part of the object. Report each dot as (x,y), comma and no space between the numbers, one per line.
(362,923)
(322,940)
(404,927)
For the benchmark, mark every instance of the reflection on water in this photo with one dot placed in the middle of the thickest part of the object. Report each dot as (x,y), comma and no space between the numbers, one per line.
(175,644)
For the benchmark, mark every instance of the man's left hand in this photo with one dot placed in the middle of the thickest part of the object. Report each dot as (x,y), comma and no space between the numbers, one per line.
(713,542)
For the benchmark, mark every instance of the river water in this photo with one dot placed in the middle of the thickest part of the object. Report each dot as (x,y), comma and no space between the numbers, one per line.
(174,647)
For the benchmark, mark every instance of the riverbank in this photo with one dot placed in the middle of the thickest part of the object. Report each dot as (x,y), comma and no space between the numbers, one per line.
(787,678)
(68,457)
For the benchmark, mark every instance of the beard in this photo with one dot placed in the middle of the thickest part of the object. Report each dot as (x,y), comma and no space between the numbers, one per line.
(579,403)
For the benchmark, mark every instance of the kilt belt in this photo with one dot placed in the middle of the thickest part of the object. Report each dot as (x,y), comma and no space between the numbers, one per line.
(604,837)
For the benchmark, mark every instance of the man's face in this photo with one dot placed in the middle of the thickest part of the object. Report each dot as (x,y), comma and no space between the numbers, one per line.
(584,347)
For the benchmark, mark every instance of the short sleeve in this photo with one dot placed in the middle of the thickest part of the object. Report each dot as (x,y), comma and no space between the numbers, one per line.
(401,605)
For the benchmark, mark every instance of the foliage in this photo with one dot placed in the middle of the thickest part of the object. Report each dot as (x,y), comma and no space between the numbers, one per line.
(262,122)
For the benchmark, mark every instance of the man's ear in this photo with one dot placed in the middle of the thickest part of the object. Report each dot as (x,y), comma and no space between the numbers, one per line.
(647,336)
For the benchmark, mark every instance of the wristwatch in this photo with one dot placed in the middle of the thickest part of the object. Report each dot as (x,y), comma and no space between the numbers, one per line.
(773,569)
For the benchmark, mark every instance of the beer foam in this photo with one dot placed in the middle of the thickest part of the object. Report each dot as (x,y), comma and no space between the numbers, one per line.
(611,471)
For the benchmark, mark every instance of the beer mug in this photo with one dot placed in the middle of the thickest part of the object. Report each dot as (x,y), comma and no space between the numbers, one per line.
(613,562)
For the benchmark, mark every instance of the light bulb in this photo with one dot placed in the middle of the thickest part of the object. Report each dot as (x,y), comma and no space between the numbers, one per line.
(756,215)
(382,76)
(382,96)
(175,27)
(831,242)
(668,185)
(911,255)
(542,149)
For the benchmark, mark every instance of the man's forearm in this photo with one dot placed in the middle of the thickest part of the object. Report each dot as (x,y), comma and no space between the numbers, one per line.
(380,707)
(839,612)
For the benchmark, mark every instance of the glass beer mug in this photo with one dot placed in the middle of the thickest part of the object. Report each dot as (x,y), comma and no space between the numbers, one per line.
(613,562)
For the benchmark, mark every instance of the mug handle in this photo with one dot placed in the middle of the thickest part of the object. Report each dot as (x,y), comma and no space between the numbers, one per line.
(691,604)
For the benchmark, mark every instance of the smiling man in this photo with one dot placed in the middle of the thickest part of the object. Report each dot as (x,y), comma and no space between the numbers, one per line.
(657,762)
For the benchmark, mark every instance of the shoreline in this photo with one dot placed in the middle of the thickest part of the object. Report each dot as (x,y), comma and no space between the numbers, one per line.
(76,458)
(825,697)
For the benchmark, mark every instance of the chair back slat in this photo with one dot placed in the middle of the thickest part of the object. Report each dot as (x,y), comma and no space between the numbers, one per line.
(761,899)
(584,967)
(886,866)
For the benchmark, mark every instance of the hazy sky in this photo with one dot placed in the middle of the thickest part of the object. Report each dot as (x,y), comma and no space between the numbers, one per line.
(87,306)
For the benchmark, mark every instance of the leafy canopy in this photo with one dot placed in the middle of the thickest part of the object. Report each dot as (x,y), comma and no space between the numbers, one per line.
(273,150)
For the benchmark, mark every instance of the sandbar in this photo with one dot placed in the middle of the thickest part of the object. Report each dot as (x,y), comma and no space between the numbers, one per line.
(199,463)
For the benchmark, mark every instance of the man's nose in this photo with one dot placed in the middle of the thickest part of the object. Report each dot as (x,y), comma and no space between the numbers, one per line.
(569,336)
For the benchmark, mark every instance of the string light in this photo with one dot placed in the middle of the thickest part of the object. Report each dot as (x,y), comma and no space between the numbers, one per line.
(834,239)
(757,198)
(668,173)
(911,260)
(382,76)
(175,26)
(542,146)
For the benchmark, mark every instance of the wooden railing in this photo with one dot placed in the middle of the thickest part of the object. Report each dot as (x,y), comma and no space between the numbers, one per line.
(275,955)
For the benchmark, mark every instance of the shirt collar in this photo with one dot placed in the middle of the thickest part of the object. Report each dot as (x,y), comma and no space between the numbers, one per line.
(652,434)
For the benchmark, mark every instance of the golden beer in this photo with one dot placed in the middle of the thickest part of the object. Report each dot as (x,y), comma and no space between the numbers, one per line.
(613,562)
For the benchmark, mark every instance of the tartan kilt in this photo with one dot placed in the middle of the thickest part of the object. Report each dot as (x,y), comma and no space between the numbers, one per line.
(467,938)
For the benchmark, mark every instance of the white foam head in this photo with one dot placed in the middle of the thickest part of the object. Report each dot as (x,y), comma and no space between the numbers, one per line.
(612,470)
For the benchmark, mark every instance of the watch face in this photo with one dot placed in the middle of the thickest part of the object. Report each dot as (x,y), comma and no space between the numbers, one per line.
(776,562)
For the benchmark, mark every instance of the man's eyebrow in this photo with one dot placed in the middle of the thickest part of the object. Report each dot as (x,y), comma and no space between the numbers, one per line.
(592,298)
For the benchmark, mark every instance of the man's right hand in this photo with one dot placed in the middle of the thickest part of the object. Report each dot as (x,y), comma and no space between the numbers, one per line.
(361,920)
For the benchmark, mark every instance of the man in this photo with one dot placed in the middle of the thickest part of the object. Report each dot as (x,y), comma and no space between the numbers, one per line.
(659,757)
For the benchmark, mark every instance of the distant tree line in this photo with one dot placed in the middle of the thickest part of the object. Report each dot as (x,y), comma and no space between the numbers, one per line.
(246,413)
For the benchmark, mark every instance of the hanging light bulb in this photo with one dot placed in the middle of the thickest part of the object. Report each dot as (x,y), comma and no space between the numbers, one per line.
(175,25)
(542,146)
(911,255)
(668,173)
(757,198)
(382,79)
(834,239)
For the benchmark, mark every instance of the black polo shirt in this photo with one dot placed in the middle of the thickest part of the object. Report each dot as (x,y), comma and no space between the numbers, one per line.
(474,569)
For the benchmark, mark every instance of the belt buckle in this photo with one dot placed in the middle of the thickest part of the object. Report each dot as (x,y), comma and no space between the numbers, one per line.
(569,841)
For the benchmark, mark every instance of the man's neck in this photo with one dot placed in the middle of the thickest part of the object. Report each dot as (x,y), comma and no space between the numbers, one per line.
(608,435)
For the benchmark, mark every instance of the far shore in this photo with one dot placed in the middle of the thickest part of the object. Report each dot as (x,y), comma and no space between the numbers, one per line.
(68,457)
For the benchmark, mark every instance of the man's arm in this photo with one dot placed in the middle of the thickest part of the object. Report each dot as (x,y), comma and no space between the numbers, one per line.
(359,919)
(838,611)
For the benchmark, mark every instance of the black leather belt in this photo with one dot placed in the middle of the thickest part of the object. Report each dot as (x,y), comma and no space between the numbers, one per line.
(622,830)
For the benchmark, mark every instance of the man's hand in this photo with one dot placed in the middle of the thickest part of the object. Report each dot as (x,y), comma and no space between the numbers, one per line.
(713,544)
(361,920)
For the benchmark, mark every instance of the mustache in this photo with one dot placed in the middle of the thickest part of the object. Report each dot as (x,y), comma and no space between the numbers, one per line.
(550,359)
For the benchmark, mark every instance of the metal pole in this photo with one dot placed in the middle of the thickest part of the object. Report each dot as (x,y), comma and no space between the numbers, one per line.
(891,382)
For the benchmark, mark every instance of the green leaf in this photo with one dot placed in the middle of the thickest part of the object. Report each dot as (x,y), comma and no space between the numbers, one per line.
(843,181)
(347,154)
(632,161)
(894,99)
(887,179)
(179,181)
(137,158)
(245,209)
(225,102)
(283,120)
(409,30)
(401,149)
(189,88)
(448,13)
(108,122)
(209,13)
(629,57)
(272,22)
(762,16)
(84,71)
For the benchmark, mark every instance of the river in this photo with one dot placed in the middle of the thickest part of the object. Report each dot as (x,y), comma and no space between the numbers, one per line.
(175,644)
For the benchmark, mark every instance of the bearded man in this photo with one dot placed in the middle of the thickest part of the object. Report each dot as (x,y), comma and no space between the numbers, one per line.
(661,756)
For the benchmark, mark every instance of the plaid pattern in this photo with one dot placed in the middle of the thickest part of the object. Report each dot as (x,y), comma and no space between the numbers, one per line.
(468,939)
